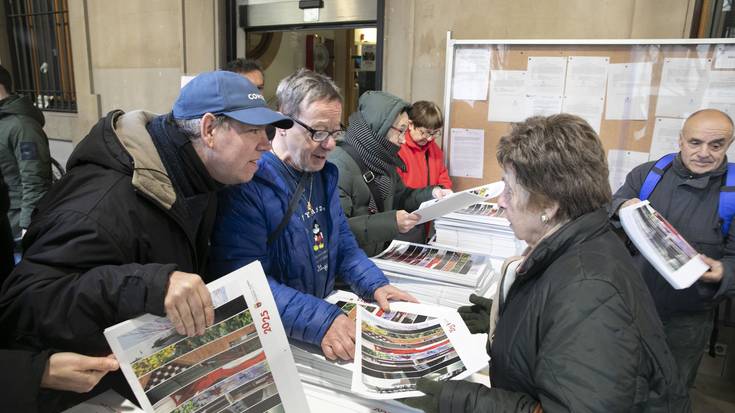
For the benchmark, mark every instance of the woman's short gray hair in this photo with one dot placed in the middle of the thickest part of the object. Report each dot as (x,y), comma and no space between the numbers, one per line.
(560,159)
(191,128)
(305,86)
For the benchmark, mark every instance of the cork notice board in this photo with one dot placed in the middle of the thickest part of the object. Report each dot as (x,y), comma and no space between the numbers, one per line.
(627,138)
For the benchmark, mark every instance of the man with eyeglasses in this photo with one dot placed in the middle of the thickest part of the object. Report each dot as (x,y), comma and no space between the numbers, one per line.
(289,217)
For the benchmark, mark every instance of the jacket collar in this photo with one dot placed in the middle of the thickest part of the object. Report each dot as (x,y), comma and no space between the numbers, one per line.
(268,173)
(552,247)
(697,180)
(149,174)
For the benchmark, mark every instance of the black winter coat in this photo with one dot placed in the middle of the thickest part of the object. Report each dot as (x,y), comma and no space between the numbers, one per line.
(577,332)
(6,235)
(101,247)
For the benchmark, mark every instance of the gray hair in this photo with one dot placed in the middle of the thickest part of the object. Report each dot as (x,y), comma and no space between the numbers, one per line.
(558,158)
(305,86)
(191,127)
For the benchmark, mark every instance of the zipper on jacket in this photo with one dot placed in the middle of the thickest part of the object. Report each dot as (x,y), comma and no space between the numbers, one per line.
(428,169)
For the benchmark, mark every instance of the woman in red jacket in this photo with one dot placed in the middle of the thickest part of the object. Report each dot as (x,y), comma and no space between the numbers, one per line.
(423,158)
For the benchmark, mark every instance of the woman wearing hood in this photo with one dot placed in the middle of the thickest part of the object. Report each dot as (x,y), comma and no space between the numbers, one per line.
(373,197)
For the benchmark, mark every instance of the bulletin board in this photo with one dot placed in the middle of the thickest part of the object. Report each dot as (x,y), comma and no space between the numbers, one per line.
(648,88)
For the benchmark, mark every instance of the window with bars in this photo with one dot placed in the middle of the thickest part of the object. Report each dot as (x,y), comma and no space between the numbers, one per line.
(40,46)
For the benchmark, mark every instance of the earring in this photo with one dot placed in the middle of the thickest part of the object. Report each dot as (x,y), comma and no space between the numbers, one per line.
(544,218)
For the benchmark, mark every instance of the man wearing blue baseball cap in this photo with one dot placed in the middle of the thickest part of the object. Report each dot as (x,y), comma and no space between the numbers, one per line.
(126,231)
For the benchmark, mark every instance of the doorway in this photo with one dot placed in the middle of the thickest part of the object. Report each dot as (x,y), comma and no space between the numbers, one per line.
(344,44)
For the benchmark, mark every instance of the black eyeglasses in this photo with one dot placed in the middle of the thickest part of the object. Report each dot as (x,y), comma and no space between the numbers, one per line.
(322,135)
(401,131)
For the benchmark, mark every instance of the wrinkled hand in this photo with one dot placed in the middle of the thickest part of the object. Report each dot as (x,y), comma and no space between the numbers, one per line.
(440,192)
(75,372)
(188,304)
(389,292)
(406,221)
(716,270)
(429,403)
(339,341)
(477,316)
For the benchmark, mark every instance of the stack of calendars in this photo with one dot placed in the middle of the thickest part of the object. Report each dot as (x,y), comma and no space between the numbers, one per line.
(386,367)
(438,275)
(327,384)
(480,228)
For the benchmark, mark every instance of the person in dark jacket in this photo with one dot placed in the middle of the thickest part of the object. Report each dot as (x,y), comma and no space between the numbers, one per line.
(6,234)
(373,197)
(25,159)
(24,373)
(688,196)
(577,330)
(126,230)
(315,247)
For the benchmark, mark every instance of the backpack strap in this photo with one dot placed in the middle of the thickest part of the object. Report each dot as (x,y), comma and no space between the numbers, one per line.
(367,175)
(726,208)
(654,176)
(291,208)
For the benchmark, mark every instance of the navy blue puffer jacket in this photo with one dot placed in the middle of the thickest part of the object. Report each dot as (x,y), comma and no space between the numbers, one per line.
(247,213)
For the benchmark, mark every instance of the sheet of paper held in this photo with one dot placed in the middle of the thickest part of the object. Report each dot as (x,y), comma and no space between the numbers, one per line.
(435,208)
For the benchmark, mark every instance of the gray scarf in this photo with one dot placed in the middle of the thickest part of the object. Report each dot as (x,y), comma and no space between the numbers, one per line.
(379,154)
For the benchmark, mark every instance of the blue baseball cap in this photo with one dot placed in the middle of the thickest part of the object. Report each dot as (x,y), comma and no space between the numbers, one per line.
(229,94)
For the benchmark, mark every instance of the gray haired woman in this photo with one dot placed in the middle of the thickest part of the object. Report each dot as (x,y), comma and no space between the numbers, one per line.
(576,330)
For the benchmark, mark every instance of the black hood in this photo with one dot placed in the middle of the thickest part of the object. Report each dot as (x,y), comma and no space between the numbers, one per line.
(102,147)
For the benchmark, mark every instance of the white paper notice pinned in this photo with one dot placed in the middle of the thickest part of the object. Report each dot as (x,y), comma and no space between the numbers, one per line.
(546,76)
(720,92)
(586,76)
(507,101)
(588,108)
(628,91)
(725,56)
(471,72)
(665,137)
(466,152)
(543,105)
(620,163)
(683,83)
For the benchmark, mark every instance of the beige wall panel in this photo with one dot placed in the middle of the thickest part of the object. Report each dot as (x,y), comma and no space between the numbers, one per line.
(291,56)
(662,18)
(62,126)
(398,55)
(201,38)
(152,89)
(135,33)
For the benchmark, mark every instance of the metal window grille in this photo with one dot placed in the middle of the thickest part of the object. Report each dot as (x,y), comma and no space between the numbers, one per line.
(40,43)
